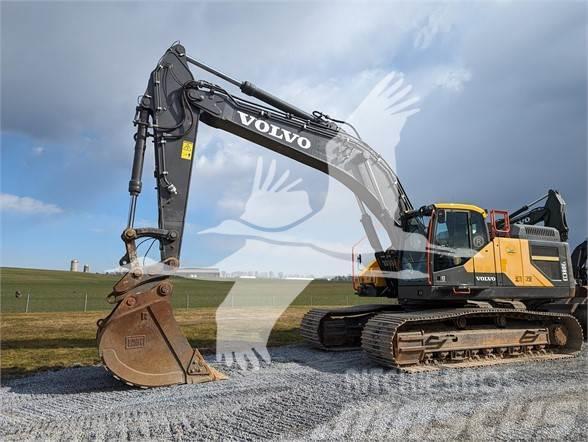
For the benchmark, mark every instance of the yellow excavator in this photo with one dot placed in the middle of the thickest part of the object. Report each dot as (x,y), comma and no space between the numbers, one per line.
(472,288)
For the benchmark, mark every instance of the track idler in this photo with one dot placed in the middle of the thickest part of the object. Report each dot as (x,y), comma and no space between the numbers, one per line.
(141,343)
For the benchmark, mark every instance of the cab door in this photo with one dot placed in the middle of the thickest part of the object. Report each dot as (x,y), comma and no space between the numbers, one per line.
(452,248)
(483,263)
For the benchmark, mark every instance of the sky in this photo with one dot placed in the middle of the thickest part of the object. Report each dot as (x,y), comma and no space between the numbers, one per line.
(502,90)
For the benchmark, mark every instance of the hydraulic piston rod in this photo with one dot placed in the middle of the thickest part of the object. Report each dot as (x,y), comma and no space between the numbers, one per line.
(250,89)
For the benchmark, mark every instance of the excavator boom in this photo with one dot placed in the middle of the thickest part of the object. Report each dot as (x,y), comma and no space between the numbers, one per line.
(140,341)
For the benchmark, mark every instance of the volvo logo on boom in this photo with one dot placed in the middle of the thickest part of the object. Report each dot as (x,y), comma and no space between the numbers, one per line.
(274,131)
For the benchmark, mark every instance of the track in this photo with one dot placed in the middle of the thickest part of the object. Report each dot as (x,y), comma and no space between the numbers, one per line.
(306,394)
(415,341)
(339,329)
(425,340)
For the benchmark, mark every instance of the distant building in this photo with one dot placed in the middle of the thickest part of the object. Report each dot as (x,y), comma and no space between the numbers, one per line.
(74,265)
(86,268)
(204,273)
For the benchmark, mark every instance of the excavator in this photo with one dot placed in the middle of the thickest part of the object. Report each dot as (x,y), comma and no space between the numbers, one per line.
(467,291)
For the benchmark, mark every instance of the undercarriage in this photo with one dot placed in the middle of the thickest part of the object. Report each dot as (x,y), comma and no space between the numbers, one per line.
(420,340)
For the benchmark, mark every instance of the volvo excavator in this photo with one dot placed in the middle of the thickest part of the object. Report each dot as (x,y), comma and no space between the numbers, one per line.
(469,291)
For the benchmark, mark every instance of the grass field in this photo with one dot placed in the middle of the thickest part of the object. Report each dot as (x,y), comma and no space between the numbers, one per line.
(39,341)
(58,333)
(59,291)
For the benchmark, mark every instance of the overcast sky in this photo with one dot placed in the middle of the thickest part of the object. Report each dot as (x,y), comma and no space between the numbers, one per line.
(502,88)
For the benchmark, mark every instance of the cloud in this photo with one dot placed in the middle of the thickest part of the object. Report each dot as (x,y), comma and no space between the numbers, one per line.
(233,206)
(453,78)
(26,205)
(518,125)
(94,135)
(227,159)
(38,151)
(439,22)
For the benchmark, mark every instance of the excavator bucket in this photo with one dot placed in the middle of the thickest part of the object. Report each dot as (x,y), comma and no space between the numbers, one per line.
(141,343)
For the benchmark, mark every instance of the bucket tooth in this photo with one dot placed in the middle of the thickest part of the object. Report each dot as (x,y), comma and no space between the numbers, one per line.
(141,343)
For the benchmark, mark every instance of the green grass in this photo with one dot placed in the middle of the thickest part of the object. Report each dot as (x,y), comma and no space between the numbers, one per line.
(42,339)
(59,291)
(33,342)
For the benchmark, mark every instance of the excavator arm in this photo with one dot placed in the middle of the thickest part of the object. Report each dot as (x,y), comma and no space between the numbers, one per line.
(140,341)
(175,103)
(552,213)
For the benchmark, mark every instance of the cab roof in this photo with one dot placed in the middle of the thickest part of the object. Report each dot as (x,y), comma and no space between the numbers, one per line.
(459,206)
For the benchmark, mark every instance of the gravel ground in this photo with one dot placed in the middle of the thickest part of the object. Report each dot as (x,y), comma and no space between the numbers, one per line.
(306,394)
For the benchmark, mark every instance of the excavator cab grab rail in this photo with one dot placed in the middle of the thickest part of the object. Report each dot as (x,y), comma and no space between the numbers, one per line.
(499,227)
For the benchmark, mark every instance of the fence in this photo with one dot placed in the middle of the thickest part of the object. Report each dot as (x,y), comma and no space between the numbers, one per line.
(37,299)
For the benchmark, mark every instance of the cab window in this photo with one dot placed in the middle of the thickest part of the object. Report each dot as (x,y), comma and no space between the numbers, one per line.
(452,239)
(479,231)
(414,256)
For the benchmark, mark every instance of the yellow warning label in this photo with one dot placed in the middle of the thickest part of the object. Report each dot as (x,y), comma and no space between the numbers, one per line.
(187,148)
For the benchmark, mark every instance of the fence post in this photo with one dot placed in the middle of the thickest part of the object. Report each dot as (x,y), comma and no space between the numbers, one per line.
(28,299)
(85,302)
(187,300)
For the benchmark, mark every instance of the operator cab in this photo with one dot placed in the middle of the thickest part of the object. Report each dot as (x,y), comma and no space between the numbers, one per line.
(450,235)
(459,232)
